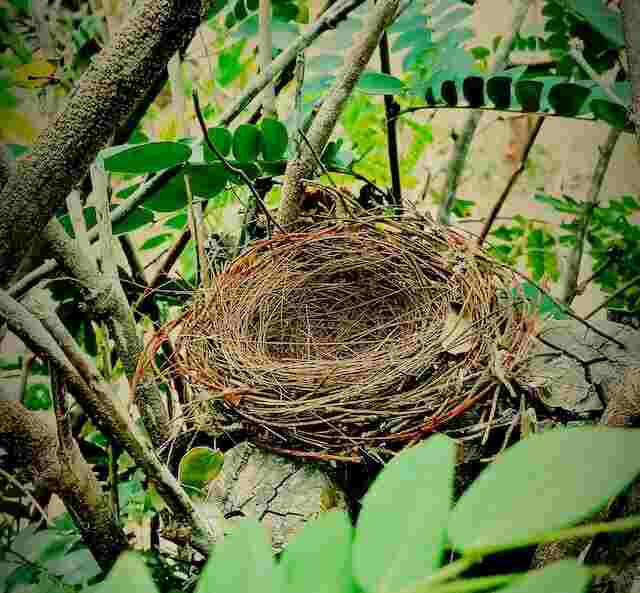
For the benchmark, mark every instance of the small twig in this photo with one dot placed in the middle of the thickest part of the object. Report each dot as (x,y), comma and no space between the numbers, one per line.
(229,166)
(322,166)
(613,296)
(391,108)
(575,257)
(576,46)
(7,476)
(512,180)
(565,309)
(583,285)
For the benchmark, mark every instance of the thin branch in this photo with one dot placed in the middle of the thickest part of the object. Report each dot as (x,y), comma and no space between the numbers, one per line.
(228,165)
(463,144)
(620,291)
(495,210)
(328,20)
(265,49)
(570,287)
(391,109)
(144,192)
(355,62)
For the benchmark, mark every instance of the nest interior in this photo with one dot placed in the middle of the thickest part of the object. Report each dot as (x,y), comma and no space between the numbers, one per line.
(367,334)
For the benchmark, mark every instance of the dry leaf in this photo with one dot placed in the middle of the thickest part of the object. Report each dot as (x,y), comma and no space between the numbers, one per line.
(34,75)
(456,325)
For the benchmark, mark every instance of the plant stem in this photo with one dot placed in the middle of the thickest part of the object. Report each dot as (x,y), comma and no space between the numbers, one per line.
(617,526)
(495,210)
(570,287)
(461,150)
(391,109)
(616,294)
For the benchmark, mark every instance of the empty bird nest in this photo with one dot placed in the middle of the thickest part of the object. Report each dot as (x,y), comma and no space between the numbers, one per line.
(353,337)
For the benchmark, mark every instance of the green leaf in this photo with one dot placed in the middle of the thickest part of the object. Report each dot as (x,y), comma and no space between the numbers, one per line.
(221,138)
(528,94)
(274,139)
(416,37)
(544,482)
(156,241)
(207,181)
(328,541)
(242,563)
(400,535)
(612,113)
(170,197)
(565,576)
(567,99)
(177,222)
(198,467)
(76,567)
(37,397)
(377,83)
(535,253)
(246,143)
(148,158)
(602,19)
(129,574)
(136,219)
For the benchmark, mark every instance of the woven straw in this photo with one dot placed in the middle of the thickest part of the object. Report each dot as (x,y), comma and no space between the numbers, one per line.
(353,337)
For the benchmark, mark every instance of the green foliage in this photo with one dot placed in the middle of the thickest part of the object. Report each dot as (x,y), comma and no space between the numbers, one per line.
(533,490)
(37,397)
(198,467)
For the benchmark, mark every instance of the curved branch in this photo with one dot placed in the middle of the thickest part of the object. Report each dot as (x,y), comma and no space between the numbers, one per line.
(33,445)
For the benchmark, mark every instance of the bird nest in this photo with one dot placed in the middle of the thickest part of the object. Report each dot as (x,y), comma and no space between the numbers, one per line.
(352,337)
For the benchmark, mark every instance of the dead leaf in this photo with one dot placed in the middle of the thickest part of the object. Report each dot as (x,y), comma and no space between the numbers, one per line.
(456,327)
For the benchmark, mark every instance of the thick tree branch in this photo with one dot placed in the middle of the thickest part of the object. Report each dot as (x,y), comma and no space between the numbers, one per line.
(461,149)
(96,396)
(7,165)
(33,446)
(110,90)
(574,261)
(631,27)
(106,300)
(355,62)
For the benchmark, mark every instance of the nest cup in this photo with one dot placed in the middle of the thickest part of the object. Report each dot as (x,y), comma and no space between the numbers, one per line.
(353,337)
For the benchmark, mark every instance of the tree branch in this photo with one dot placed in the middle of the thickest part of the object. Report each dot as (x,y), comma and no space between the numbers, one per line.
(37,328)
(391,109)
(106,300)
(33,445)
(461,150)
(631,27)
(495,210)
(574,262)
(355,62)
(109,91)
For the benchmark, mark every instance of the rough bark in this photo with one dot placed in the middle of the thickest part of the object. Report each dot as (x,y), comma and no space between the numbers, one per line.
(7,165)
(631,27)
(95,396)
(325,121)
(106,300)
(107,94)
(32,445)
